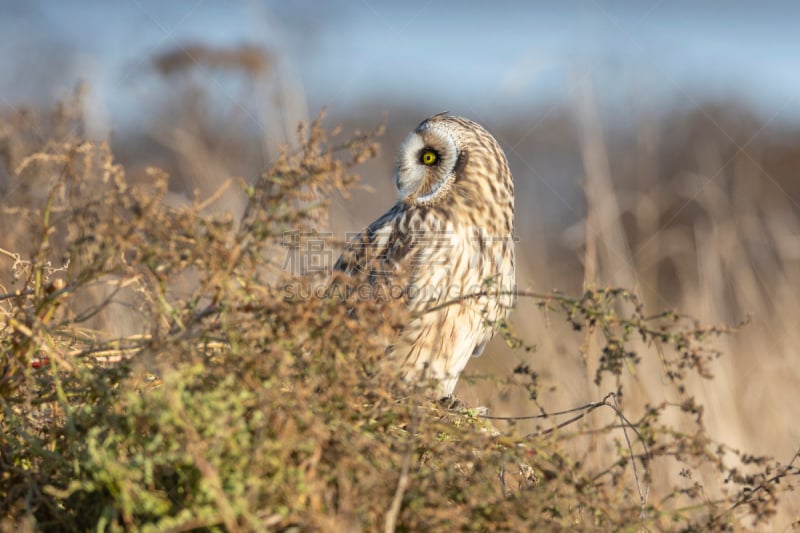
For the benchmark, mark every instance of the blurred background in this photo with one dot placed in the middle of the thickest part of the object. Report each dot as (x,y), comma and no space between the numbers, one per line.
(655,145)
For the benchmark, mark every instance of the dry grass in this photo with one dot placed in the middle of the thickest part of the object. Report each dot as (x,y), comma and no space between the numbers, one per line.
(154,374)
(700,213)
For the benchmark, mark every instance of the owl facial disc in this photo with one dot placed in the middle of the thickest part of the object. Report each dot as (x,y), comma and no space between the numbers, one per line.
(426,163)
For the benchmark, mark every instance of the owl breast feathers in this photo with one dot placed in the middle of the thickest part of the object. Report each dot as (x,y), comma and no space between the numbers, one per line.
(445,248)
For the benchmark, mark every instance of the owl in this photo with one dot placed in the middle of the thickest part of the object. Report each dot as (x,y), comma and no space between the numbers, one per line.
(446,248)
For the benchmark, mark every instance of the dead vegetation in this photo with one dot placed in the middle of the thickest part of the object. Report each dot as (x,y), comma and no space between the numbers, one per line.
(223,404)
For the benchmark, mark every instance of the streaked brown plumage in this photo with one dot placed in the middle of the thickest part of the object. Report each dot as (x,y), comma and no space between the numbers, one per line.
(448,237)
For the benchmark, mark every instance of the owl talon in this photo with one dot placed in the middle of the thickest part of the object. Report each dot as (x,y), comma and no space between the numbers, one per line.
(452,403)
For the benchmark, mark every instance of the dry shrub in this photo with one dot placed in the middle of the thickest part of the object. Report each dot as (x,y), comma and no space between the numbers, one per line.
(245,404)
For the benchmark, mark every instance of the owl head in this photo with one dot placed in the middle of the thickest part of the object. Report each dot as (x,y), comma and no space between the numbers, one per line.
(440,153)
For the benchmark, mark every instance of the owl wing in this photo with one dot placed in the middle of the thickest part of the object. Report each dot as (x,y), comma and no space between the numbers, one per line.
(478,351)
(378,252)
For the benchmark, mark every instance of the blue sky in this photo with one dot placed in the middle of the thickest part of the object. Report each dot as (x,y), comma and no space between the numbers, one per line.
(502,57)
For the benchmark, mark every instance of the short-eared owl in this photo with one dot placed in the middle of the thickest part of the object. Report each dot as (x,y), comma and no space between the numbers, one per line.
(445,247)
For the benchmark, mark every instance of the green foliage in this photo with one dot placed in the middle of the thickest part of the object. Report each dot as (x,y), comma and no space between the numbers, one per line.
(240,408)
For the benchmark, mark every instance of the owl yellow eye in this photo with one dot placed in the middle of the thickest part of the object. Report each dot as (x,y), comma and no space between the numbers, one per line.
(429,157)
